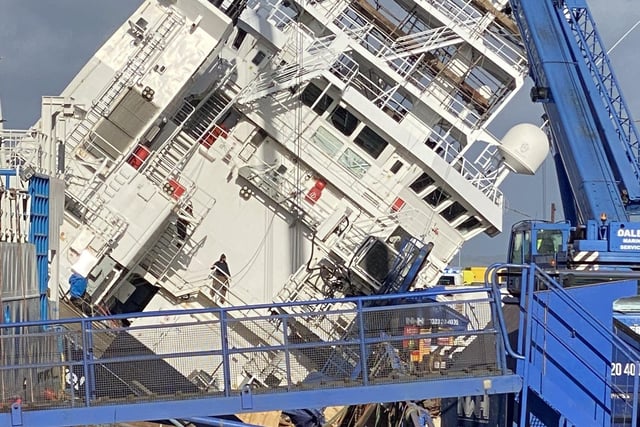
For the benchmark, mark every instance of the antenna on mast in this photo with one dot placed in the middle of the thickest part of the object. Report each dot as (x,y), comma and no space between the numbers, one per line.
(1,117)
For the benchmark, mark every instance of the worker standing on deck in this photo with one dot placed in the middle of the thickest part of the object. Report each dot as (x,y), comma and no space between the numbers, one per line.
(220,273)
(182,223)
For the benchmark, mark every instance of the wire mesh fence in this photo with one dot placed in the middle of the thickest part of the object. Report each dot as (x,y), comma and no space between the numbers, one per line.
(219,352)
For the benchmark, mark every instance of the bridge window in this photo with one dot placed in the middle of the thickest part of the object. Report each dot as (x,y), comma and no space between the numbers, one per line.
(436,197)
(468,225)
(421,183)
(453,211)
(371,142)
(258,58)
(396,167)
(310,95)
(327,142)
(237,42)
(354,163)
(344,121)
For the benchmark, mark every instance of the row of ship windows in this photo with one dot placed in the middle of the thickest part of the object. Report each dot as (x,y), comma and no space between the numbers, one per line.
(373,144)
(345,122)
(437,196)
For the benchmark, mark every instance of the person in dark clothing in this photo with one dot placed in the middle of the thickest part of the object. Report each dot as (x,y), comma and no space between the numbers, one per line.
(220,274)
(78,293)
(181,225)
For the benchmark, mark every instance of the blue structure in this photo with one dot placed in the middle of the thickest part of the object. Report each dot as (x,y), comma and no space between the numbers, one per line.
(128,381)
(597,158)
(595,141)
(39,235)
(37,206)
(554,355)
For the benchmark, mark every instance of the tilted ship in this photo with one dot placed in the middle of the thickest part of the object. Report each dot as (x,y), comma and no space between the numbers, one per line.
(330,149)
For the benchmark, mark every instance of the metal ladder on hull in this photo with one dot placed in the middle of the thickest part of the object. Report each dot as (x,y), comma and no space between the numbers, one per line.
(124,78)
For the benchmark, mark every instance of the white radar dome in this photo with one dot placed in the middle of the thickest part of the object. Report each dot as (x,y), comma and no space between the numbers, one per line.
(524,147)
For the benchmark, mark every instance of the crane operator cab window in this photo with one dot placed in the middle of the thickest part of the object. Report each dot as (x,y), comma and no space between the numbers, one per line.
(519,253)
(548,242)
(520,250)
(539,246)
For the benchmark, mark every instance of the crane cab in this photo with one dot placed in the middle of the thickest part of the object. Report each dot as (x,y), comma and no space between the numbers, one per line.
(540,242)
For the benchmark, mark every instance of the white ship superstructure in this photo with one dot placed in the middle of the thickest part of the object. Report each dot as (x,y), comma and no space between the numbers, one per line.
(305,140)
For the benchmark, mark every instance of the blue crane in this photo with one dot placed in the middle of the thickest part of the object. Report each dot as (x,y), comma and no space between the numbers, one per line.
(594,141)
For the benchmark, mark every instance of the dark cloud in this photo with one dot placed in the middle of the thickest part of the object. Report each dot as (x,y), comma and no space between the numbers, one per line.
(45,43)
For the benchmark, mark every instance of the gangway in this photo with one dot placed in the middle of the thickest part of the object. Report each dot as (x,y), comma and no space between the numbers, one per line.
(144,374)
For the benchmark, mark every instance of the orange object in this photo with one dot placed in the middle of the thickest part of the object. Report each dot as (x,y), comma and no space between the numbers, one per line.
(314,194)
(138,157)
(410,343)
(49,394)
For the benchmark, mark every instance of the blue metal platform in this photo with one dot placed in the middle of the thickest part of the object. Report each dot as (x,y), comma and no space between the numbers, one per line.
(568,354)
(201,363)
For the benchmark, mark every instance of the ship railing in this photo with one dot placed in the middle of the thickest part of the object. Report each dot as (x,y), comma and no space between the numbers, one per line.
(149,48)
(96,156)
(345,68)
(278,15)
(331,8)
(461,106)
(338,162)
(308,284)
(463,14)
(317,56)
(221,294)
(439,144)
(183,113)
(210,129)
(282,188)
(423,41)
(361,29)
(160,259)
(289,75)
(427,344)
(381,97)
(20,148)
(105,224)
(426,227)
(484,181)
(153,167)
(380,45)
(81,141)
(452,100)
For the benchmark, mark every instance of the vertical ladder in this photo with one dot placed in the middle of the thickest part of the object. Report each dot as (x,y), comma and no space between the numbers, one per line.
(124,78)
(168,247)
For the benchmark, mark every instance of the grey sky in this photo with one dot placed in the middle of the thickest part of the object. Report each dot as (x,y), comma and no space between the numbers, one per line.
(45,43)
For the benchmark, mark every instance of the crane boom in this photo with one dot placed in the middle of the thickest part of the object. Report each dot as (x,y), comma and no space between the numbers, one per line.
(593,134)
(594,139)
